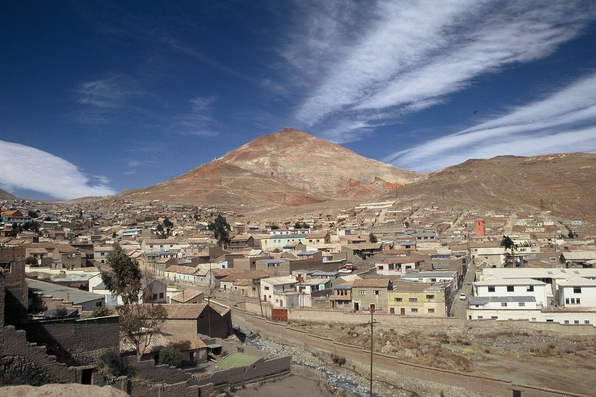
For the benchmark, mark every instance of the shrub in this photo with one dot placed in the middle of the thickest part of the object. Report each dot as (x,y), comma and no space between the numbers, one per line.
(170,356)
(31,261)
(61,312)
(101,311)
(112,363)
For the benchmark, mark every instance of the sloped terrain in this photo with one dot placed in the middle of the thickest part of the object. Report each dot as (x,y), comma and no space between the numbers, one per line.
(561,183)
(317,166)
(219,183)
(284,169)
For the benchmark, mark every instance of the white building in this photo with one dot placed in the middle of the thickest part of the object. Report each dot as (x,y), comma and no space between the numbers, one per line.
(280,291)
(523,287)
(577,292)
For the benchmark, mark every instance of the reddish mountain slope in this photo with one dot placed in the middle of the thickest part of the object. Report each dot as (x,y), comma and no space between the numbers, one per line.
(287,168)
(317,166)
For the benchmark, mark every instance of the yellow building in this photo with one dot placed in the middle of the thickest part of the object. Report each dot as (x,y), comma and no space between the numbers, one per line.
(417,299)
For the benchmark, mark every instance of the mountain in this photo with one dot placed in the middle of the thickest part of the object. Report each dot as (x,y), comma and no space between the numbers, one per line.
(317,166)
(220,183)
(4,195)
(287,168)
(561,183)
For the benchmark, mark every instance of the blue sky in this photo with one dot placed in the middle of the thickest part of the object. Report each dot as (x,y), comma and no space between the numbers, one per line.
(96,97)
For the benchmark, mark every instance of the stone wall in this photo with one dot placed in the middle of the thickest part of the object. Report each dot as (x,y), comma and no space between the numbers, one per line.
(85,340)
(33,359)
(15,292)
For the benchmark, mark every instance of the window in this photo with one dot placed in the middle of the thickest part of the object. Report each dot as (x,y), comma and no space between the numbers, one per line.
(362,292)
(521,304)
(531,288)
(553,259)
(577,290)
(161,295)
(414,310)
(566,321)
(503,304)
(480,317)
(413,300)
(430,297)
(586,321)
(510,288)
(577,301)
(266,288)
(533,318)
(431,310)
(491,288)
(376,292)
(397,299)
(575,321)
(154,296)
(567,301)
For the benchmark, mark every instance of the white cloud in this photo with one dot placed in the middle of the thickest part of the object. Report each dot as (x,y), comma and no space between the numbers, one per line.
(199,121)
(563,121)
(375,64)
(39,171)
(108,98)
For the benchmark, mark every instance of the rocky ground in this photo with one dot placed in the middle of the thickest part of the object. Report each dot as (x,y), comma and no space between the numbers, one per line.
(557,362)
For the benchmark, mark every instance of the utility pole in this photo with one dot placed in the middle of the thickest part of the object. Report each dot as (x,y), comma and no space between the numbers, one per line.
(372,322)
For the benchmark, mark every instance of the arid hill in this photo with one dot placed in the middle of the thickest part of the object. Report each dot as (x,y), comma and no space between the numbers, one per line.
(284,169)
(561,183)
(4,195)
(317,166)
(218,183)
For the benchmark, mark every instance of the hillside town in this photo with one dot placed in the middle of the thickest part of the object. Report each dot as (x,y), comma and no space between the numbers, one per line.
(203,262)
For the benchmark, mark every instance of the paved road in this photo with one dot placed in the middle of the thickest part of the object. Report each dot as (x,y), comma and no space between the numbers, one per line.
(458,308)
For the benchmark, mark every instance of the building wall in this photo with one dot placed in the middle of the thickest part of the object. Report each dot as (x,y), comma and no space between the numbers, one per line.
(417,303)
(16,291)
(539,292)
(84,340)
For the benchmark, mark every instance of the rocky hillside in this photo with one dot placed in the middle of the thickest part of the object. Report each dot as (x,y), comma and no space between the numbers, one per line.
(4,195)
(284,169)
(561,183)
(317,166)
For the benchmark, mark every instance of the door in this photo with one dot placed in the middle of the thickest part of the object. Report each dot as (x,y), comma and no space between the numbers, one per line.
(392,310)
(402,311)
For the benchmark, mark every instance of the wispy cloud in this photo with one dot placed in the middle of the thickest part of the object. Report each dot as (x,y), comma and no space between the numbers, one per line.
(33,169)
(563,121)
(108,98)
(374,65)
(199,121)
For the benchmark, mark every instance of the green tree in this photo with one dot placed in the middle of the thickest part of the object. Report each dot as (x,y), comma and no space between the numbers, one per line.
(31,261)
(372,238)
(509,244)
(221,231)
(32,214)
(170,356)
(138,321)
(124,277)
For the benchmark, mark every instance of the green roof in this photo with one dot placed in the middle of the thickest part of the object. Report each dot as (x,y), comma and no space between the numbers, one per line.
(237,360)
